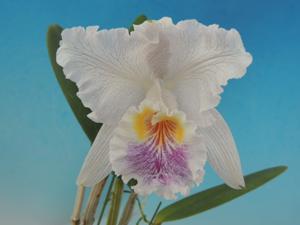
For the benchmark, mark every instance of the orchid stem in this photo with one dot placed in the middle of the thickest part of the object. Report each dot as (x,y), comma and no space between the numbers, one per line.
(127,213)
(143,215)
(139,220)
(155,213)
(75,219)
(106,200)
(115,203)
(93,201)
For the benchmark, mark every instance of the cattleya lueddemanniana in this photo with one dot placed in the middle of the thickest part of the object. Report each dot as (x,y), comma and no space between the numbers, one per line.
(155,91)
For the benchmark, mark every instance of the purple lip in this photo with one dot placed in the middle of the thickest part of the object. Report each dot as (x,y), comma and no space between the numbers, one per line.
(161,166)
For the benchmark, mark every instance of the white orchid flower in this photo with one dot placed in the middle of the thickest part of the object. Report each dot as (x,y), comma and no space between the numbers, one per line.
(155,91)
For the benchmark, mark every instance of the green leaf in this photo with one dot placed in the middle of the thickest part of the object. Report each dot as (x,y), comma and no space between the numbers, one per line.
(215,196)
(139,20)
(68,87)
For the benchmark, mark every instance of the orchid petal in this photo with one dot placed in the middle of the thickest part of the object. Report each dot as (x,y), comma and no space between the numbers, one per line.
(222,152)
(195,60)
(108,67)
(96,165)
(203,59)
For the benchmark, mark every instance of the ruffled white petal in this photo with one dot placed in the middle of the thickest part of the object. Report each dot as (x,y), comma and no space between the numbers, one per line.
(195,60)
(108,67)
(158,49)
(222,152)
(96,165)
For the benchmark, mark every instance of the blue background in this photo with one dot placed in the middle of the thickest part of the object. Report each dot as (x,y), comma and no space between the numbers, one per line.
(42,145)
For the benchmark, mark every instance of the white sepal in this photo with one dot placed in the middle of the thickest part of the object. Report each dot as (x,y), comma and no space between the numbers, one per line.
(96,165)
(222,152)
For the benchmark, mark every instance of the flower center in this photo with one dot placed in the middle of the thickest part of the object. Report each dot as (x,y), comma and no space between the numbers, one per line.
(161,129)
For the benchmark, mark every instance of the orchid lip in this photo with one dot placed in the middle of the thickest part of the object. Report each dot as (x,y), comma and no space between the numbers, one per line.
(157,151)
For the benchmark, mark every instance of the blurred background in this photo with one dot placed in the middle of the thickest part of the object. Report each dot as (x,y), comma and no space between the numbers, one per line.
(42,146)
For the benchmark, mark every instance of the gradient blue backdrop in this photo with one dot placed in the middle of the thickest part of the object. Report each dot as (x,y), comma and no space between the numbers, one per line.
(42,146)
